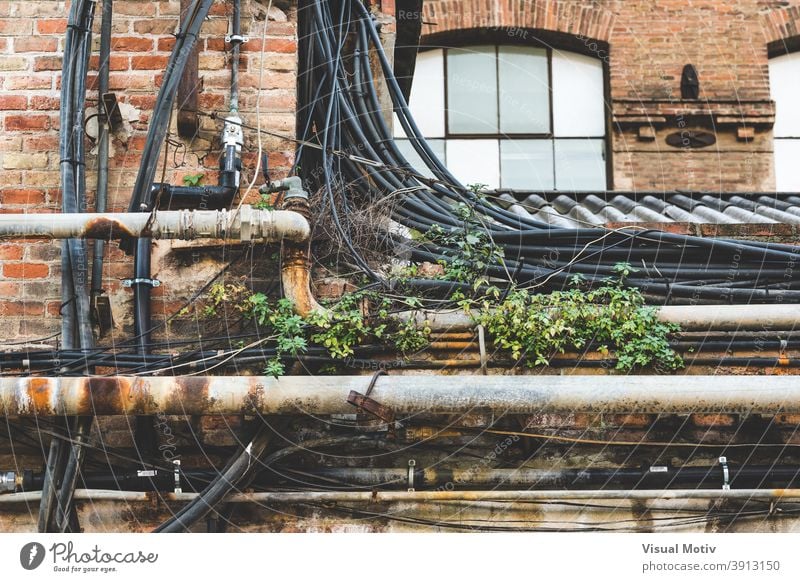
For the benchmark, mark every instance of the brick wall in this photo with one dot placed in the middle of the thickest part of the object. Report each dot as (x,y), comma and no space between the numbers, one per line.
(645,45)
(31,42)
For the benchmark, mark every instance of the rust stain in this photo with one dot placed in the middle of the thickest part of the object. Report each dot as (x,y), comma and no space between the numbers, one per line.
(190,396)
(40,391)
(105,228)
(104,396)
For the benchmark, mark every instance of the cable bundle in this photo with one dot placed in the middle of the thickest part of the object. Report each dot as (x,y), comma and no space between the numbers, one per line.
(343,113)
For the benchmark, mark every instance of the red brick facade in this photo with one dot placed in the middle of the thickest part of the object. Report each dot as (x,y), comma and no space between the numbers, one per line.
(31,41)
(645,45)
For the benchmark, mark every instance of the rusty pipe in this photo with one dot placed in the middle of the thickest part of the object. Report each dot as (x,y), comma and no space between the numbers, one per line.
(762,318)
(291,497)
(296,255)
(404,394)
(246,224)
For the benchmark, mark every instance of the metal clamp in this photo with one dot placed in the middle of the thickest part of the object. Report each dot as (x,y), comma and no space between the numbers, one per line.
(726,475)
(177,473)
(236,38)
(141,281)
(411,470)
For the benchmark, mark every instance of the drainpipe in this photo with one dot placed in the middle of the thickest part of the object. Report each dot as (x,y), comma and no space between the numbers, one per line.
(296,257)
(403,395)
(101,197)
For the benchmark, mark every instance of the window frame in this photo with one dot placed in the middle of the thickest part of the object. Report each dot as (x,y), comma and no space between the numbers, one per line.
(499,135)
(532,39)
(775,51)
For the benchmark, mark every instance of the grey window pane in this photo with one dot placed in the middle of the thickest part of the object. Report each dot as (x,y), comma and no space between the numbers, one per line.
(405,147)
(472,90)
(524,90)
(580,164)
(526,164)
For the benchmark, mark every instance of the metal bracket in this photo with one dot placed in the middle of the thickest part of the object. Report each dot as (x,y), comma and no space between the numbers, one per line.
(374,407)
(726,475)
(411,471)
(141,281)
(177,473)
(101,313)
(111,110)
(236,38)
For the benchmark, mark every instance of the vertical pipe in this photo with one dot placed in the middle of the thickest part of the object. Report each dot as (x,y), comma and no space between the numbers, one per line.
(142,287)
(101,197)
(83,425)
(236,41)
(188,101)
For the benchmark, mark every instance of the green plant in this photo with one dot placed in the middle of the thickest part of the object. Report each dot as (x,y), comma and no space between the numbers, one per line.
(469,248)
(193,179)
(264,202)
(613,318)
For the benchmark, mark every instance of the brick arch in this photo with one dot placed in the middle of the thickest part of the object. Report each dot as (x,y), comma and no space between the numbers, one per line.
(781,28)
(569,18)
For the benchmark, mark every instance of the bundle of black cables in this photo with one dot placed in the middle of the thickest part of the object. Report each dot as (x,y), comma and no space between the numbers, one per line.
(344,116)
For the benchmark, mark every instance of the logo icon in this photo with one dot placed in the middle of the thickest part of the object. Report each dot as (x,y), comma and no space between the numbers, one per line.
(31,555)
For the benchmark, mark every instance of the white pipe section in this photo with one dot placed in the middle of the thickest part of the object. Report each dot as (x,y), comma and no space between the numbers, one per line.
(426,496)
(404,394)
(764,318)
(246,224)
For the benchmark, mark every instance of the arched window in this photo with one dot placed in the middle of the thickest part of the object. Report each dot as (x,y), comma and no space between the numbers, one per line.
(784,76)
(512,116)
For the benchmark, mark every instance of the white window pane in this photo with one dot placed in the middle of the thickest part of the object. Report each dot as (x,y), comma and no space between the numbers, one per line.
(405,147)
(527,164)
(578,96)
(427,95)
(787,162)
(472,90)
(580,164)
(524,90)
(784,79)
(474,161)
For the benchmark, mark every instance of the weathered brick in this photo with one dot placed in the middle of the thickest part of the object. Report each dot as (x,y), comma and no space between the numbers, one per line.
(26,270)
(14,161)
(27,122)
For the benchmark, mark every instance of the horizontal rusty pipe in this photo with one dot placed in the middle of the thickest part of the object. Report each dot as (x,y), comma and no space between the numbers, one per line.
(404,394)
(246,224)
(763,318)
(291,497)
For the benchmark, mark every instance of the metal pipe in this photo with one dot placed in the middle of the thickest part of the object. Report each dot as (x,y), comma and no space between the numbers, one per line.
(404,394)
(293,497)
(142,284)
(101,196)
(246,224)
(763,318)
(235,40)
